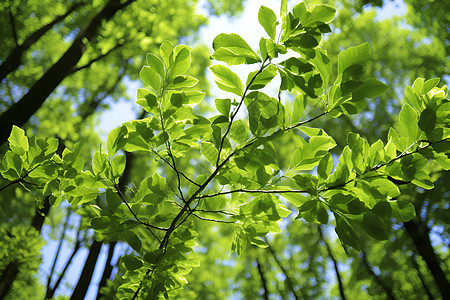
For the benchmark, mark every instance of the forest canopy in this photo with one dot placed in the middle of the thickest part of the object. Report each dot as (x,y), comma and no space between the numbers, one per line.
(322,172)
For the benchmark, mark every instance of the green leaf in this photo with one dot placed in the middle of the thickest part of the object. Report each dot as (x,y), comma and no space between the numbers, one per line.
(226,80)
(112,200)
(182,60)
(131,262)
(209,152)
(430,84)
(408,124)
(147,99)
(155,63)
(99,163)
(233,50)
(427,120)
(369,88)
(323,65)
(382,209)
(300,11)
(373,225)
(321,212)
(402,211)
(12,166)
(182,81)
(346,233)
(152,78)
(118,165)
(356,207)
(268,20)
(352,56)
(238,132)
(443,113)
(321,13)
(298,108)
(166,52)
(223,106)
(18,142)
(308,154)
(295,199)
(135,243)
(325,166)
(262,79)
(306,182)
(116,140)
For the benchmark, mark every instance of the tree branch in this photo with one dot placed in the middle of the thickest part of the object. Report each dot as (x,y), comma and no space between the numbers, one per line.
(378,280)
(289,281)
(252,191)
(263,66)
(76,69)
(51,292)
(13,29)
(335,264)
(58,251)
(263,280)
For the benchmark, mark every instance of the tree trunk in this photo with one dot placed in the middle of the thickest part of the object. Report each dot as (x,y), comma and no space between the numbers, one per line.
(20,112)
(14,60)
(419,235)
(88,270)
(107,270)
(7,278)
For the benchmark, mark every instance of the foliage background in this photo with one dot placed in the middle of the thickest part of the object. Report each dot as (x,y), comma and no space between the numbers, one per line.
(400,54)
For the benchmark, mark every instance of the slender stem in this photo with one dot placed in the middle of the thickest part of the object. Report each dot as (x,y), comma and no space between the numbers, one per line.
(306,121)
(170,165)
(20,179)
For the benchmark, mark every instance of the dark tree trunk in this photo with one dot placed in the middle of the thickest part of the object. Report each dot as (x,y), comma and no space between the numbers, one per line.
(108,268)
(14,60)
(21,111)
(88,270)
(7,278)
(51,292)
(263,280)
(418,232)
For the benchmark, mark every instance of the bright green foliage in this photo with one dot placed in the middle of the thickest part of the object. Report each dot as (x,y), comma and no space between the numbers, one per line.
(245,184)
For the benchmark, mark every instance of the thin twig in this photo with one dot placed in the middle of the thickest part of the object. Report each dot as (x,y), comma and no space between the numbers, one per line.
(252,191)
(76,69)
(134,214)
